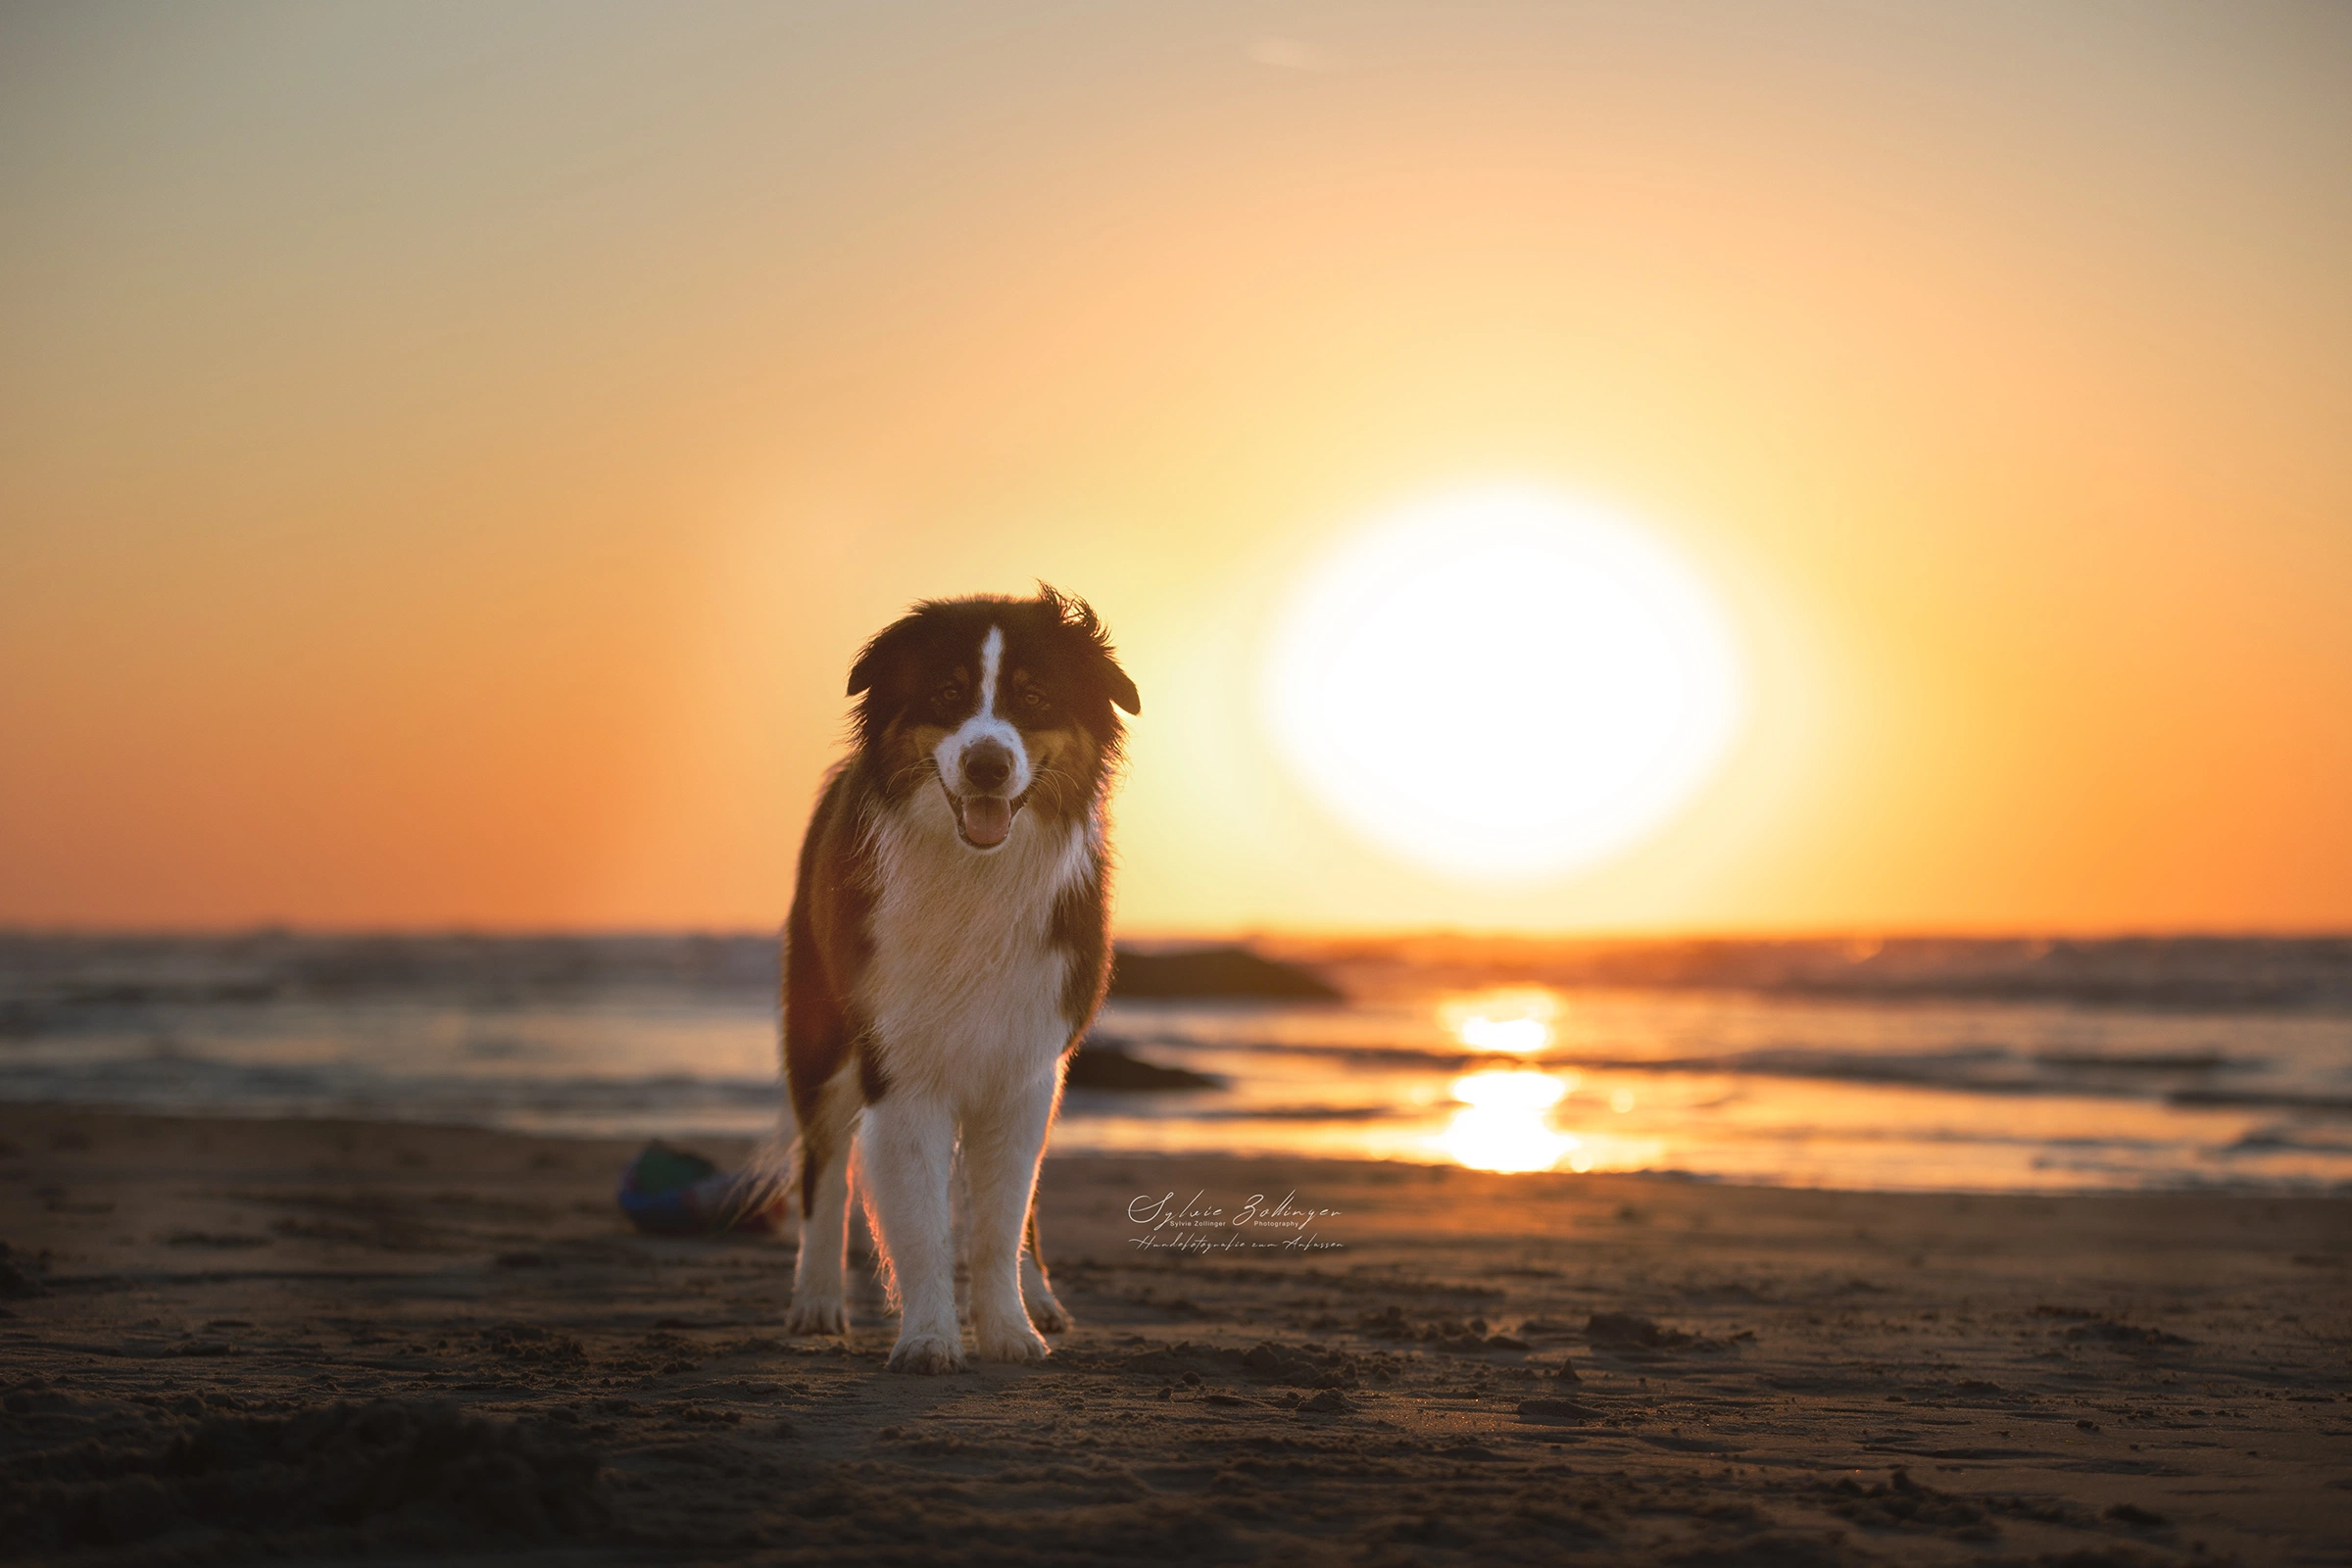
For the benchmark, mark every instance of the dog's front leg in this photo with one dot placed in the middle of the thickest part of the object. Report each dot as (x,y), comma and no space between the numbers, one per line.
(905,1164)
(1002,1144)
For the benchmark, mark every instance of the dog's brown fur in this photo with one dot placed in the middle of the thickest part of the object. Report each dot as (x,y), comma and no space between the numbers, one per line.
(1053,677)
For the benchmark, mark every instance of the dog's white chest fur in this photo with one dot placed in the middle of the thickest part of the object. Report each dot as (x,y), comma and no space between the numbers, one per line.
(965,987)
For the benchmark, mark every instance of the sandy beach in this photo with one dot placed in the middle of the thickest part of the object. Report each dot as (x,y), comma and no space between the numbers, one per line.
(319,1337)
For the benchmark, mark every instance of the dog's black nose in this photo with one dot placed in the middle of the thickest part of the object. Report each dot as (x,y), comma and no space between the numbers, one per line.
(987,765)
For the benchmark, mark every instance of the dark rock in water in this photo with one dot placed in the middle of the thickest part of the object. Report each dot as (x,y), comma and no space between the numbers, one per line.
(1101,1066)
(1214,972)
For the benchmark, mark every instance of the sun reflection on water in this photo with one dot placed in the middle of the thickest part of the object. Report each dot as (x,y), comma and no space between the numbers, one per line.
(1515,1021)
(1501,1124)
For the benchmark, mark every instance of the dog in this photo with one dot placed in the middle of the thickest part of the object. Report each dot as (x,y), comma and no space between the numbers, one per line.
(948,946)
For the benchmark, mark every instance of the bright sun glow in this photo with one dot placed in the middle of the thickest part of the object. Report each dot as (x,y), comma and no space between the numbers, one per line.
(1501,1124)
(1503,685)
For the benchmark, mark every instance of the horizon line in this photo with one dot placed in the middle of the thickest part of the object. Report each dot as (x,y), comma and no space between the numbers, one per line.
(1595,936)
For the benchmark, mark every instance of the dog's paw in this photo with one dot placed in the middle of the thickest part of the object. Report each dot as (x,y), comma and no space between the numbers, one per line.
(817,1317)
(926,1355)
(1017,1341)
(1048,1314)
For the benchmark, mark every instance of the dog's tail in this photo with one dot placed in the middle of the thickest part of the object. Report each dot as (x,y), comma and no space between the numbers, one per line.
(765,1186)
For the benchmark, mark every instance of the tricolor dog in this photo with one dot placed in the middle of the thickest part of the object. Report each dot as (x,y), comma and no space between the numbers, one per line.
(947,948)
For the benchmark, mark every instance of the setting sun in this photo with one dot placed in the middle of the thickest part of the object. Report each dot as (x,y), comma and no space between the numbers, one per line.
(1503,685)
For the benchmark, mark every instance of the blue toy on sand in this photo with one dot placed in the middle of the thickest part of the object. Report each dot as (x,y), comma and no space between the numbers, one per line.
(672,1191)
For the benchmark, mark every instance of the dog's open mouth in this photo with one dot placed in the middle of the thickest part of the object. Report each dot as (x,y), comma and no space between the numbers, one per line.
(984,820)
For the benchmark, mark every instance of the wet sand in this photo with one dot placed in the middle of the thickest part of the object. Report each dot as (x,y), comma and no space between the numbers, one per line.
(313,1339)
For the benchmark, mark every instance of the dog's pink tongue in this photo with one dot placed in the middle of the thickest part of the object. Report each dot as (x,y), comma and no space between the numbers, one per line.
(987,819)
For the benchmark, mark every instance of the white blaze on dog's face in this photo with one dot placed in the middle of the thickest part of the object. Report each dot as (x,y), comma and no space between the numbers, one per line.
(1003,705)
(983,762)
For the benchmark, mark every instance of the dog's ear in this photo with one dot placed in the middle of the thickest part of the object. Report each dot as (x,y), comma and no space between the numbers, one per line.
(1078,616)
(878,659)
(1121,689)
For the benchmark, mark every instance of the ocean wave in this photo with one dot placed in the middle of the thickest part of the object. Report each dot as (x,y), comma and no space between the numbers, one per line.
(47,978)
(2181,1077)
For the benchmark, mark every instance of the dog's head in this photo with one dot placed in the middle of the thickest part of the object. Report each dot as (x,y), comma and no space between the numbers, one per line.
(1005,705)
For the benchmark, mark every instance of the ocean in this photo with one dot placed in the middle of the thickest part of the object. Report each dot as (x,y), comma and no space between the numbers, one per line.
(1964,1065)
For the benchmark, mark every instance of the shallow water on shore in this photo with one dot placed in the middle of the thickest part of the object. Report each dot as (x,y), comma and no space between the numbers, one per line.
(1920,1096)
(1873,1092)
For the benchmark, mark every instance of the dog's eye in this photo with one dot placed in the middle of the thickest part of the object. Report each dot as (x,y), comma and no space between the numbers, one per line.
(948,695)
(1033,698)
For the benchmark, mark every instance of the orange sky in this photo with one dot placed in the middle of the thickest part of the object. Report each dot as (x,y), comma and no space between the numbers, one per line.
(447,454)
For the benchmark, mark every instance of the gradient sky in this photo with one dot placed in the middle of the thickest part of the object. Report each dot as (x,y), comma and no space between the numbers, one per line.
(450,451)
